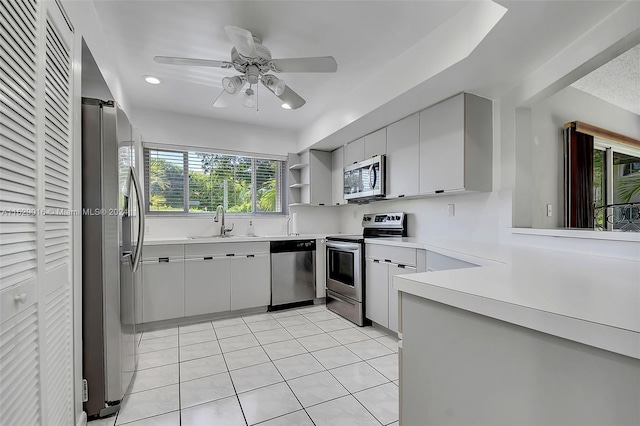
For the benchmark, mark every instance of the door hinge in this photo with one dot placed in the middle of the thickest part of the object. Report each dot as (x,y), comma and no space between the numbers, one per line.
(85,390)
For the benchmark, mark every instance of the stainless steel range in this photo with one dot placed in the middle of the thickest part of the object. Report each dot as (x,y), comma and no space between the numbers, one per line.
(345,263)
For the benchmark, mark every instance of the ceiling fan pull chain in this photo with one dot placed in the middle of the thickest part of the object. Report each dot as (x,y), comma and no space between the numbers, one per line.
(257,101)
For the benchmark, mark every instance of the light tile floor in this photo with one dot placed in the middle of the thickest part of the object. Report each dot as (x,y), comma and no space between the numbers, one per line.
(303,366)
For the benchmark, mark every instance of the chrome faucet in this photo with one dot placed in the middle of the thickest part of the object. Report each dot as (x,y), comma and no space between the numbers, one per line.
(223,229)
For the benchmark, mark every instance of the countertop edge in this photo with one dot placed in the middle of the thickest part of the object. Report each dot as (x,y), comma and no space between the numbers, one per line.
(232,239)
(607,337)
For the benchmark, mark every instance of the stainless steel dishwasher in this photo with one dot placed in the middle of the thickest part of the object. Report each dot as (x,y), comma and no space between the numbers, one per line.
(293,273)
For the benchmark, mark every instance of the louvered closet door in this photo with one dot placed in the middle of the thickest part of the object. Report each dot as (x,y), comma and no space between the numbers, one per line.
(36,335)
(19,343)
(56,280)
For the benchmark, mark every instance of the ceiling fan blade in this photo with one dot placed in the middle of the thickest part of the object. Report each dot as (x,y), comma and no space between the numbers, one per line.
(192,62)
(242,40)
(316,64)
(291,98)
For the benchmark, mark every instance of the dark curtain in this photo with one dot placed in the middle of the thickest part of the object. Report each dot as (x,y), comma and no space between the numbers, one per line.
(580,179)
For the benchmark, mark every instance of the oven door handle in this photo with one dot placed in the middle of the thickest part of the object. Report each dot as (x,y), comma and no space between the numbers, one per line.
(343,246)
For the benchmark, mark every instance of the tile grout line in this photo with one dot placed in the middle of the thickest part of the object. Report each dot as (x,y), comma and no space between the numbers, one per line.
(179,383)
(231,377)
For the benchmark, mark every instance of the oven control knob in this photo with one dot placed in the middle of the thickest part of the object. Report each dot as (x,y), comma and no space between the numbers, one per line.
(397,217)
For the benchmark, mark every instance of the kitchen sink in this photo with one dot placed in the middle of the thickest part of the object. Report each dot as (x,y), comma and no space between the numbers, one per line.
(201,237)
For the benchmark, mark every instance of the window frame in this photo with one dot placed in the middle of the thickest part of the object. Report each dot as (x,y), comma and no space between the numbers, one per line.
(281,179)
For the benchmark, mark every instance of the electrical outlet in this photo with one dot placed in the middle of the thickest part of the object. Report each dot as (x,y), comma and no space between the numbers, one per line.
(549,210)
(451,209)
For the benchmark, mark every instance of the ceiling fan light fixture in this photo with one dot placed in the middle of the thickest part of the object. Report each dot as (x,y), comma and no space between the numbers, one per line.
(249,99)
(274,84)
(231,85)
(285,106)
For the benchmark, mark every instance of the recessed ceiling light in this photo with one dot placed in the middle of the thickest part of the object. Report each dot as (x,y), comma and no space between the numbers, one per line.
(152,80)
(285,106)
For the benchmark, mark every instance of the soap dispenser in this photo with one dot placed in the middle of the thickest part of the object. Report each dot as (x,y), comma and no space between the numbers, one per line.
(250,229)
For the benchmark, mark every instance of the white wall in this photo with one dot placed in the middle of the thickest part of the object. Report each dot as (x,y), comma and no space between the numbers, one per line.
(476,216)
(178,129)
(547,121)
(304,220)
(161,127)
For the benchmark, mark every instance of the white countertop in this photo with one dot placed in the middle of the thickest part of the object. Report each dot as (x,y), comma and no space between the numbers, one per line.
(231,239)
(590,299)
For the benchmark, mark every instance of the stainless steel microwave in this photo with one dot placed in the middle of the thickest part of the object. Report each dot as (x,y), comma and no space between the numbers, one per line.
(365,179)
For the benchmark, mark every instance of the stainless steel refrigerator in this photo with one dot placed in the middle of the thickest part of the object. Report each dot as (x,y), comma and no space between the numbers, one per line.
(112,237)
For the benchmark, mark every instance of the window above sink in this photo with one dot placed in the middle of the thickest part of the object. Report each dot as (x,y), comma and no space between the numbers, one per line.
(197,181)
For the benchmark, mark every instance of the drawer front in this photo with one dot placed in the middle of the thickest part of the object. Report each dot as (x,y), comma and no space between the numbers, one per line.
(401,255)
(224,248)
(15,299)
(155,252)
(440,262)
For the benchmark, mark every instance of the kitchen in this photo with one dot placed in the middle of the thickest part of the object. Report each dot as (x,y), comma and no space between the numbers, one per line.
(533,54)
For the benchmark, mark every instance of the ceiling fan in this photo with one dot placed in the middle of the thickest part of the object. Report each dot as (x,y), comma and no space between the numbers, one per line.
(253,60)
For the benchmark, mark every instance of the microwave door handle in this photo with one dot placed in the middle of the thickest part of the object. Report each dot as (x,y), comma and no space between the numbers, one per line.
(372,172)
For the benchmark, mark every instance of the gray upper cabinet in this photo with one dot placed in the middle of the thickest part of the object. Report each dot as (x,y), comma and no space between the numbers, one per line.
(375,143)
(456,145)
(316,177)
(403,157)
(337,177)
(354,152)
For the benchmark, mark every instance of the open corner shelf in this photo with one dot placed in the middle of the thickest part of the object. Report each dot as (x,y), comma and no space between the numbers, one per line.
(298,166)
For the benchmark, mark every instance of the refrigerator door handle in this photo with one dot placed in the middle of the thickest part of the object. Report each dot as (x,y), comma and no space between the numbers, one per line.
(135,262)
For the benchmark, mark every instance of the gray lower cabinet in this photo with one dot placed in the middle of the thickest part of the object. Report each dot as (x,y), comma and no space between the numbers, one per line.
(393,293)
(377,292)
(200,279)
(381,299)
(250,281)
(207,285)
(162,289)
(382,264)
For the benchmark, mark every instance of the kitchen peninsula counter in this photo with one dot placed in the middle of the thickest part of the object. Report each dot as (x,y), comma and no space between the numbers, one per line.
(593,300)
(530,336)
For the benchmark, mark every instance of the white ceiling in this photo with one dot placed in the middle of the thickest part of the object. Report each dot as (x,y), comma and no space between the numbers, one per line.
(362,35)
(617,81)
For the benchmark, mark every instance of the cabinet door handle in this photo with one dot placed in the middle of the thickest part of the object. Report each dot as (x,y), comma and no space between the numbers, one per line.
(230,254)
(440,191)
(163,259)
(20,298)
(387,260)
(376,261)
(208,258)
(401,266)
(251,255)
